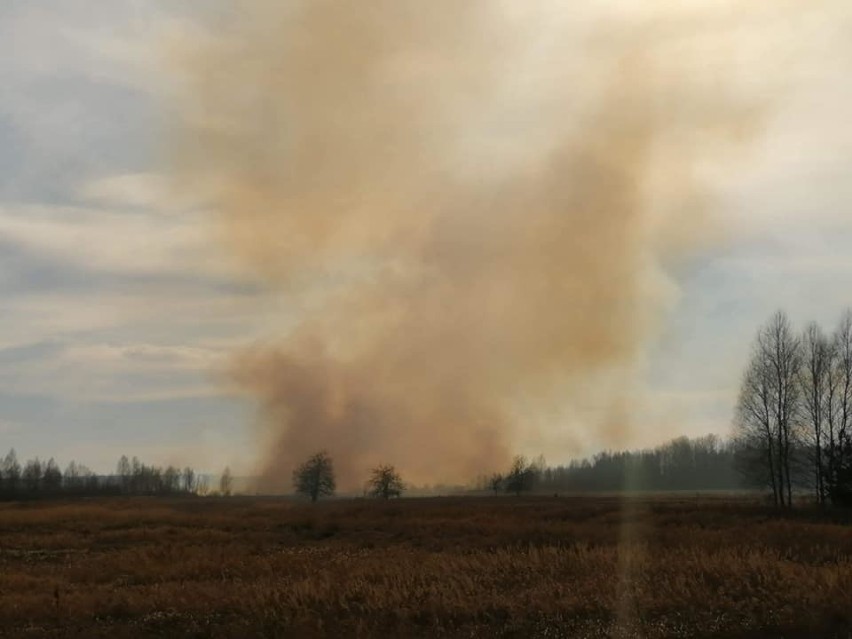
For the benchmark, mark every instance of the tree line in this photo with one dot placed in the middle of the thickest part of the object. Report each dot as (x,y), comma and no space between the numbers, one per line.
(44,479)
(36,478)
(793,425)
(792,432)
(704,463)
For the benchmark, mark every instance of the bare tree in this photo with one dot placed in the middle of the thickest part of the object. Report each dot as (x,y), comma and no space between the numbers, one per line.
(385,482)
(171,478)
(31,475)
(816,382)
(125,473)
(78,478)
(782,350)
(52,476)
(769,405)
(495,482)
(71,478)
(11,472)
(226,482)
(839,413)
(189,481)
(754,426)
(202,485)
(137,478)
(315,478)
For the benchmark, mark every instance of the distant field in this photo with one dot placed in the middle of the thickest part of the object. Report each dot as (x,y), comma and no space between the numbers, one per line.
(458,567)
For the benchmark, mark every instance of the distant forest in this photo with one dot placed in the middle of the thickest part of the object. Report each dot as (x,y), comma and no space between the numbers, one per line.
(792,434)
(705,463)
(44,479)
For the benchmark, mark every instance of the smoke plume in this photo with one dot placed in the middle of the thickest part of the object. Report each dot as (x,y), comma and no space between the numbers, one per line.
(464,204)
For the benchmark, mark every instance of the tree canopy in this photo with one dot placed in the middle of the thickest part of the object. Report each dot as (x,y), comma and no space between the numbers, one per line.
(315,477)
(385,482)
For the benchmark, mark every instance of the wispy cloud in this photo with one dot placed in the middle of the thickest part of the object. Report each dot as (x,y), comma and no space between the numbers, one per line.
(119,243)
(150,192)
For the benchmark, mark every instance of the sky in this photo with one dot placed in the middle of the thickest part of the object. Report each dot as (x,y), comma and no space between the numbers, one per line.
(119,309)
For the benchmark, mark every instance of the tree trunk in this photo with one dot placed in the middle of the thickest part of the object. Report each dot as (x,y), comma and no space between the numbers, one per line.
(772,472)
(780,469)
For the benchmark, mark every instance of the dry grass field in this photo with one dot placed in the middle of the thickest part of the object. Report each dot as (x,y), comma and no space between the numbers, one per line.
(456,567)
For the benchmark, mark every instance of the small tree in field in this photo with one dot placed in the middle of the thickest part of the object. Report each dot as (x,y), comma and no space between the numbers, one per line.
(495,482)
(226,482)
(385,483)
(521,476)
(315,478)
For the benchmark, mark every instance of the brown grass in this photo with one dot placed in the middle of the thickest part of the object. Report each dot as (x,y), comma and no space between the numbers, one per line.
(466,567)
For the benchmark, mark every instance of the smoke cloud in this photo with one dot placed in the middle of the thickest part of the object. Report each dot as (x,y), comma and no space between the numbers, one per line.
(465,205)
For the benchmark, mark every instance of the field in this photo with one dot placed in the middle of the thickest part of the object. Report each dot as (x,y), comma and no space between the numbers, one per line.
(457,567)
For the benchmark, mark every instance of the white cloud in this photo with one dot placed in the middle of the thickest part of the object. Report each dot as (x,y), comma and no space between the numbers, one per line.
(124,243)
(152,192)
(143,357)
(8,427)
(96,372)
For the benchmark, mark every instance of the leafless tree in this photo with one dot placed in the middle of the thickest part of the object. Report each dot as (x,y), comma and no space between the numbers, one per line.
(315,478)
(31,475)
(11,472)
(202,485)
(816,387)
(78,478)
(839,410)
(189,481)
(171,478)
(125,473)
(52,476)
(226,482)
(770,402)
(754,427)
(782,350)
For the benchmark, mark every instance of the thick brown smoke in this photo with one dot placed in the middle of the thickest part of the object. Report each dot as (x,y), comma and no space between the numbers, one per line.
(464,203)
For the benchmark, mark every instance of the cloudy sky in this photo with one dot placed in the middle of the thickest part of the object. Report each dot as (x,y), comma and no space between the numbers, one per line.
(119,309)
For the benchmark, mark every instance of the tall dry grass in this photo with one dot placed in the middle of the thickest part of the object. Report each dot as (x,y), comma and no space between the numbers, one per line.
(467,567)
